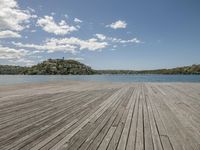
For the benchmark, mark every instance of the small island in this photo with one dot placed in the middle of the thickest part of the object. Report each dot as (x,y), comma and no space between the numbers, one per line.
(50,67)
(73,67)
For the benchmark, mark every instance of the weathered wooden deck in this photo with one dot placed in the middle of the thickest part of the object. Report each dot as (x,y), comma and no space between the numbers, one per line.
(104,116)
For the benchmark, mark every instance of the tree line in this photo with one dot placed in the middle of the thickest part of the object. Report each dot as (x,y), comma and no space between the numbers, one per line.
(66,67)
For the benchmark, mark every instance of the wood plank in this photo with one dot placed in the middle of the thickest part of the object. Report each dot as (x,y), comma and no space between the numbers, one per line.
(139,144)
(83,115)
(133,129)
(148,141)
(126,129)
(154,129)
(120,122)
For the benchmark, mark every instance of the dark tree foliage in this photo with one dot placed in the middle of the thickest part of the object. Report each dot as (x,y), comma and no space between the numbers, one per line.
(66,67)
(50,67)
(7,69)
(194,69)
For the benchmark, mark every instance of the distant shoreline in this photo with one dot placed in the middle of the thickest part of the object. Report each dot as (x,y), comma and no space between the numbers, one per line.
(72,67)
(91,74)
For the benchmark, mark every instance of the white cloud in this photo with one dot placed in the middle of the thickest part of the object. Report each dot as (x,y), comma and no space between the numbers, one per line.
(76,58)
(118,25)
(35,52)
(9,34)
(17,56)
(78,27)
(25,61)
(31,9)
(72,45)
(134,40)
(77,20)
(34,16)
(116,40)
(90,44)
(49,47)
(12,17)
(11,53)
(100,36)
(49,25)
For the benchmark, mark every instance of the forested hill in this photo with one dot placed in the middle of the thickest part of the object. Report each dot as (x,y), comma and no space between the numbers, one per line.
(65,67)
(50,67)
(59,66)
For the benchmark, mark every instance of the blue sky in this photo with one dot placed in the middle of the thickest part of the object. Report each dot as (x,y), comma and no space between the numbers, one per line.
(122,34)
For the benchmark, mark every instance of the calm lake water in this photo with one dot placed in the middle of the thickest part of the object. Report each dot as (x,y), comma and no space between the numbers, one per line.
(15,79)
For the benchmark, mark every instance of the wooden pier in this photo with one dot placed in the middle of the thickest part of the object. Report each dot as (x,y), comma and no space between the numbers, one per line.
(72,115)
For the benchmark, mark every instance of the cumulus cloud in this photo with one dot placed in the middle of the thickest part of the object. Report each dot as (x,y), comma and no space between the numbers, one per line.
(11,53)
(71,45)
(103,37)
(49,25)
(17,56)
(77,20)
(117,25)
(100,36)
(12,17)
(49,47)
(24,61)
(9,34)
(74,45)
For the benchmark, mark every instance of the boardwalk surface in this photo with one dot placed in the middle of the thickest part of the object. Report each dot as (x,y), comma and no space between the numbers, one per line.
(74,115)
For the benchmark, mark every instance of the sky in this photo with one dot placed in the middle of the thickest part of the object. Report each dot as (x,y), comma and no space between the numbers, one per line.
(114,34)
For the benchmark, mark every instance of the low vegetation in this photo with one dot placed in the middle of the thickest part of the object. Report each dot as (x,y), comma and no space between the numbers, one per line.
(194,69)
(8,69)
(50,67)
(66,67)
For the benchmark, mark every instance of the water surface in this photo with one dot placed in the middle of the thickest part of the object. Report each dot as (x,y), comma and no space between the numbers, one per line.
(15,79)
